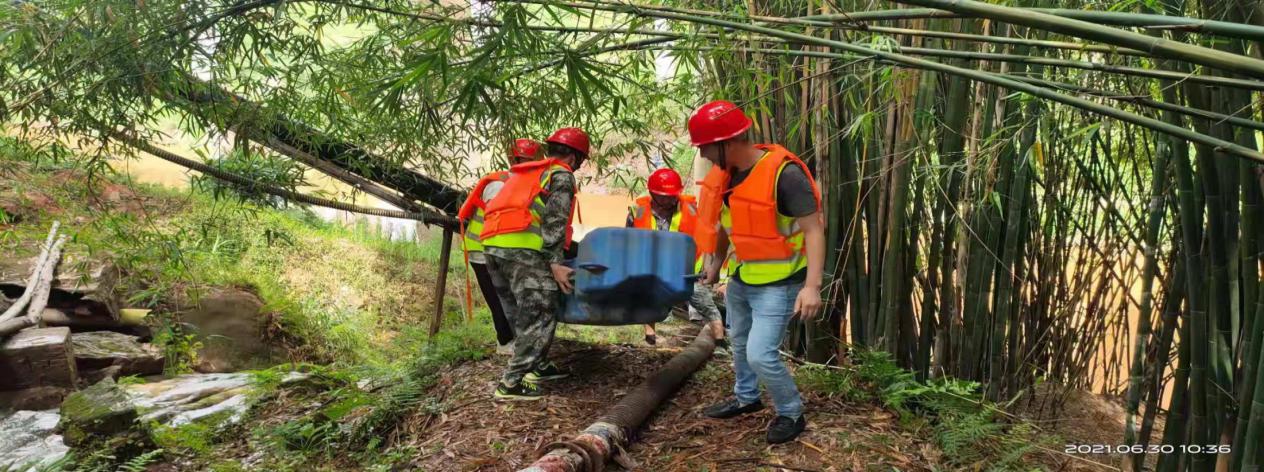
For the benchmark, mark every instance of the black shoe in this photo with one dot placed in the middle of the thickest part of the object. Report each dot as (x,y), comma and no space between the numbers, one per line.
(722,348)
(546,371)
(524,391)
(651,339)
(783,429)
(730,408)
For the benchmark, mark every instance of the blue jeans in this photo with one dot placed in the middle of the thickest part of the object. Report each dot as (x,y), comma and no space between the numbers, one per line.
(757,319)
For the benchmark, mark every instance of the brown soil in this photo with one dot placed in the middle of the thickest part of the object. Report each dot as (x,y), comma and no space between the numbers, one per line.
(1083,418)
(476,434)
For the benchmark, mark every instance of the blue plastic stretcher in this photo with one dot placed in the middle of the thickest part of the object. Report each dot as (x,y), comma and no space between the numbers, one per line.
(626,276)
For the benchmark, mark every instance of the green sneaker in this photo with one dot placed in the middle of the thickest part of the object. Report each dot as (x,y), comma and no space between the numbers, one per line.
(546,371)
(524,391)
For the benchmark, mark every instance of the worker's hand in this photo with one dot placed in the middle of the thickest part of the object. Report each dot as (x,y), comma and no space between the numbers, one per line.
(808,304)
(711,276)
(562,275)
(720,289)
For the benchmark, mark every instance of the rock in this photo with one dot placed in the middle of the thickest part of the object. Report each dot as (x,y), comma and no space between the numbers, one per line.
(34,398)
(82,287)
(230,325)
(120,417)
(108,408)
(28,440)
(191,397)
(90,377)
(101,349)
(37,358)
(104,410)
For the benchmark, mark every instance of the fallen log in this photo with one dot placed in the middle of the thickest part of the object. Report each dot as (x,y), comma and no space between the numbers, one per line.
(44,287)
(269,127)
(600,442)
(8,327)
(31,282)
(57,317)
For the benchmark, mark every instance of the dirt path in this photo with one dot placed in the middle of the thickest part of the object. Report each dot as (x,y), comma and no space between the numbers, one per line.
(476,434)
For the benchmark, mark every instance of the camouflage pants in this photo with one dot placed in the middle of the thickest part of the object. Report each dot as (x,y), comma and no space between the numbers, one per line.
(531,299)
(703,302)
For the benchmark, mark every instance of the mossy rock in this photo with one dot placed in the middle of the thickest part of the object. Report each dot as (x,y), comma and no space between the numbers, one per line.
(102,410)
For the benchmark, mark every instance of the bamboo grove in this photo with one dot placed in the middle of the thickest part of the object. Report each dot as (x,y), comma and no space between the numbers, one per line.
(1039,199)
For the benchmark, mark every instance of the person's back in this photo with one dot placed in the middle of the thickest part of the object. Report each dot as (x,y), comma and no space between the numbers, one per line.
(527,229)
(472,215)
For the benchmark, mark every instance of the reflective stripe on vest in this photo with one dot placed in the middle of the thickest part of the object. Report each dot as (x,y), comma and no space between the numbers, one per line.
(473,209)
(769,245)
(684,220)
(521,234)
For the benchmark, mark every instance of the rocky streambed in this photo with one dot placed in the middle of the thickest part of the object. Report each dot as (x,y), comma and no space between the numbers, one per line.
(118,415)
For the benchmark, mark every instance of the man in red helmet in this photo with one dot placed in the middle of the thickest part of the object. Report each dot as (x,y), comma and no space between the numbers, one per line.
(471,215)
(667,209)
(761,199)
(526,230)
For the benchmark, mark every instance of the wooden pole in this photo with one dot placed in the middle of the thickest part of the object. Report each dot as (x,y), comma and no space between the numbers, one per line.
(441,283)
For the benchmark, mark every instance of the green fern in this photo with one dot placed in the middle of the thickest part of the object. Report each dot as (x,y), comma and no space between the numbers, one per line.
(397,401)
(139,463)
(968,438)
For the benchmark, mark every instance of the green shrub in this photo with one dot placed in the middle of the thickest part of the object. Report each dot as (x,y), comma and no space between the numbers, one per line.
(266,169)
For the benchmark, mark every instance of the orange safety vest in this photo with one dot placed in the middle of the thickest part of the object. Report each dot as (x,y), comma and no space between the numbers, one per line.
(474,201)
(684,221)
(517,207)
(755,228)
(687,209)
(472,211)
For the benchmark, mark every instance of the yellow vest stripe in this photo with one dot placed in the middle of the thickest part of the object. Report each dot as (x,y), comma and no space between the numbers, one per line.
(531,237)
(766,272)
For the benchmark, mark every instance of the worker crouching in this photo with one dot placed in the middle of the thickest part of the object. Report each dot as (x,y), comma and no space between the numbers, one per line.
(666,208)
(761,199)
(526,230)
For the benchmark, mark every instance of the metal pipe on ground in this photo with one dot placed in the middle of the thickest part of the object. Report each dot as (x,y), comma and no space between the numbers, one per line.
(598,443)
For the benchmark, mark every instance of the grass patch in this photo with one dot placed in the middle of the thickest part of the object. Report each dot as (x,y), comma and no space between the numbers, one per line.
(336,294)
(972,432)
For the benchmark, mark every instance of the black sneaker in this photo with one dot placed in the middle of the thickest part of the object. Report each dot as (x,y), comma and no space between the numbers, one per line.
(524,391)
(723,349)
(730,408)
(783,429)
(651,339)
(546,371)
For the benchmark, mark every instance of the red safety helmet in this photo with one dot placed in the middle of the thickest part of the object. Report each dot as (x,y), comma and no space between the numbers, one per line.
(665,182)
(717,121)
(523,148)
(575,138)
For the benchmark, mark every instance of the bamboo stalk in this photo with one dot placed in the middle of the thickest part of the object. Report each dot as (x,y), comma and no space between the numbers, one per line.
(1065,45)
(1176,433)
(1082,29)
(1222,28)
(1054,85)
(1253,440)
(44,287)
(994,79)
(36,272)
(1095,66)
(1137,371)
(1198,316)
